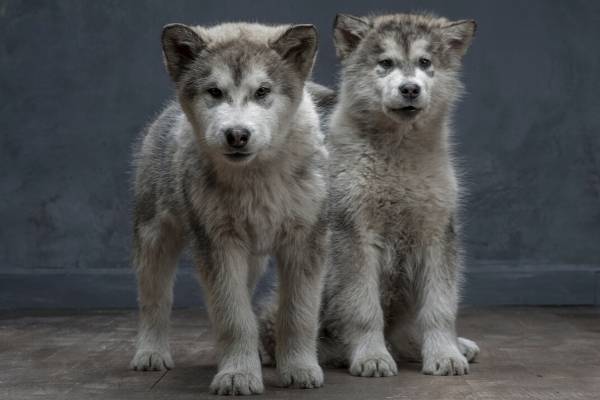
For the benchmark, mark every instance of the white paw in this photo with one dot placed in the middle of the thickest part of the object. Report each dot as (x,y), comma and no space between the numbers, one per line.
(446,363)
(468,348)
(236,383)
(149,360)
(374,365)
(306,376)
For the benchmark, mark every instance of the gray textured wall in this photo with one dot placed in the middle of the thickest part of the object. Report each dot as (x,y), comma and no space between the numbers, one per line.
(79,79)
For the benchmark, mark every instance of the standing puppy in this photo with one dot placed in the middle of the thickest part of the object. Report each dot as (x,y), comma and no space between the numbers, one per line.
(237,166)
(396,266)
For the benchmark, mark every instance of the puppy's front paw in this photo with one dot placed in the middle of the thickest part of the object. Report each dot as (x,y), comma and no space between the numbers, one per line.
(374,365)
(468,348)
(236,383)
(307,376)
(446,363)
(151,360)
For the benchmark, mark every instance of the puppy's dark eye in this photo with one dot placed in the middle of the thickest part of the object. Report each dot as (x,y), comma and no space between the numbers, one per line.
(386,63)
(262,92)
(215,92)
(424,62)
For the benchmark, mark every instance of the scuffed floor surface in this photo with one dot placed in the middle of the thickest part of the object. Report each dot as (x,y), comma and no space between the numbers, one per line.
(527,353)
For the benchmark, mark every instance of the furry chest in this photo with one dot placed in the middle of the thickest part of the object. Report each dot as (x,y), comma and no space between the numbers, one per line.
(403,214)
(253,222)
(258,218)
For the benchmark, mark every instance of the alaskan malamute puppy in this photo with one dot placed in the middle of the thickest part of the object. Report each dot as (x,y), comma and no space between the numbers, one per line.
(395,259)
(237,167)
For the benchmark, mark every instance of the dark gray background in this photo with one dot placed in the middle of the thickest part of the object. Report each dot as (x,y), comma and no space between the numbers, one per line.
(79,80)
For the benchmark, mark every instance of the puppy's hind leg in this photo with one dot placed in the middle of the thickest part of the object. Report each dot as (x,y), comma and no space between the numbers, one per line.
(404,340)
(267,318)
(257,265)
(266,310)
(157,244)
(468,348)
(331,352)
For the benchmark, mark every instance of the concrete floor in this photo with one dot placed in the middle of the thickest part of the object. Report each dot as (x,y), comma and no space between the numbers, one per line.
(527,353)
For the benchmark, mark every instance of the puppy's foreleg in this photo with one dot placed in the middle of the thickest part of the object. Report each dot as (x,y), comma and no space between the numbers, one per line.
(156,249)
(355,307)
(224,271)
(301,264)
(437,308)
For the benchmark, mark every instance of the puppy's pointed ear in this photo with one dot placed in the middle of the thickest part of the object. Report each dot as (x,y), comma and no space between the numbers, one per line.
(298,47)
(348,31)
(458,35)
(181,45)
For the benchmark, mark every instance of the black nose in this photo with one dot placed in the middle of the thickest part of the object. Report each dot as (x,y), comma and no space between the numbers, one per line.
(237,137)
(410,90)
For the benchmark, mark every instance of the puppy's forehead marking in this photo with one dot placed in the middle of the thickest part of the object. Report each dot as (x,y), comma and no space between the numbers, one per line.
(252,79)
(403,48)
(391,47)
(241,57)
(235,76)
(256,75)
(222,75)
(419,47)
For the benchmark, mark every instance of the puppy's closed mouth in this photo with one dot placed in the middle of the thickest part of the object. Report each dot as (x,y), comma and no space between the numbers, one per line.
(409,110)
(238,156)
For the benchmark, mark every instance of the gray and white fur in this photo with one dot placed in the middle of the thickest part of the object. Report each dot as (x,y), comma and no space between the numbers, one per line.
(395,271)
(237,168)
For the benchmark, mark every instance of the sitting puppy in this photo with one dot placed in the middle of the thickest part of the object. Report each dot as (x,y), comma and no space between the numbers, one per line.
(395,258)
(237,166)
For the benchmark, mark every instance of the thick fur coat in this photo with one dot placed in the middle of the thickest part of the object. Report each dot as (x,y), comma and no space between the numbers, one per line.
(395,270)
(237,168)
